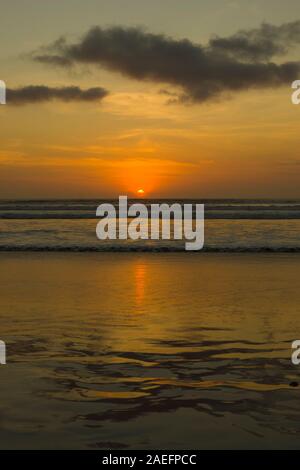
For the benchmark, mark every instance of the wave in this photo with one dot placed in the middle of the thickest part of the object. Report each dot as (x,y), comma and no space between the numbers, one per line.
(230,215)
(145,249)
(214,208)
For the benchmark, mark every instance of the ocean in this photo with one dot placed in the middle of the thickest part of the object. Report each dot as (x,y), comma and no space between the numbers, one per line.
(145,346)
(230,225)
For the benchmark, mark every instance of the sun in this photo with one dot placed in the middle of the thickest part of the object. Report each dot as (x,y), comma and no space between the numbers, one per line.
(140,192)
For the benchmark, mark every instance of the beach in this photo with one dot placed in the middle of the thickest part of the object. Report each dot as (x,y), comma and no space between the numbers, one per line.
(149,229)
(149,350)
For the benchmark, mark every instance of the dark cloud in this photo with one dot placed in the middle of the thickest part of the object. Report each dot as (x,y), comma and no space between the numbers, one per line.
(201,72)
(259,44)
(37,94)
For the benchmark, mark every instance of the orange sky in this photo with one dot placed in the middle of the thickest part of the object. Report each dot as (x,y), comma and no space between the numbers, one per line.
(246,145)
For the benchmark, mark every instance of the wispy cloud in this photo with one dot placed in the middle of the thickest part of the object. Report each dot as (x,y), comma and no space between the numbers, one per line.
(259,44)
(40,93)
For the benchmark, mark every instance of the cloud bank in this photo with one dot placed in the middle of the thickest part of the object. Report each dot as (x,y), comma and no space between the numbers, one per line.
(41,93)
(201,72)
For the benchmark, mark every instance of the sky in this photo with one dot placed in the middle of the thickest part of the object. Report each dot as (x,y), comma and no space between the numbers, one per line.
(180,99)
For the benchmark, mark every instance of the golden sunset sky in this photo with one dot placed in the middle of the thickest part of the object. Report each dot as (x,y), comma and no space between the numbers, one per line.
(238,143)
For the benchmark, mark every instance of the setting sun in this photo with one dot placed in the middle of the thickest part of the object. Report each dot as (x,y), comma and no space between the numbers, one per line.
(140,192)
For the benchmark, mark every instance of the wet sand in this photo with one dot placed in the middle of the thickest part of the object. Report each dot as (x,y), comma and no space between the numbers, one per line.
(149,350)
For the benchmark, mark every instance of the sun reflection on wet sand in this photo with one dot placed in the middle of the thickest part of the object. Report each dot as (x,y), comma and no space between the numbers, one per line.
(140,282)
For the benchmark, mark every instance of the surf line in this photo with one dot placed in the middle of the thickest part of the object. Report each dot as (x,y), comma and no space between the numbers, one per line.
(158,220)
